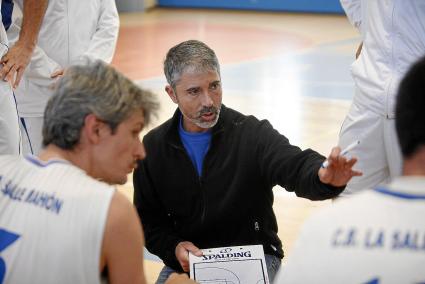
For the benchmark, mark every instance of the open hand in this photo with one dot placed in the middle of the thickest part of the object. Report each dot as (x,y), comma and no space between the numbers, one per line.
(14,63)
(340,169)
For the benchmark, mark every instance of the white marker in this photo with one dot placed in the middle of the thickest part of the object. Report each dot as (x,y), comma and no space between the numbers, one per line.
(343,152)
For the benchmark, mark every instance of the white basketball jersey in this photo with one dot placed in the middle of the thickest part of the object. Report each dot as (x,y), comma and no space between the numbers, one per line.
(375,237)
(52,220)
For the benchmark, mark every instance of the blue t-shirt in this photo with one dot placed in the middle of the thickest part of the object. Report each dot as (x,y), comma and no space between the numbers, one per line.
(196,145)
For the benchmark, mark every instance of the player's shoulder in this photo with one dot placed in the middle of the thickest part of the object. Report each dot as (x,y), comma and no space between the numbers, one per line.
(120,209)
(344,209)
(7,159)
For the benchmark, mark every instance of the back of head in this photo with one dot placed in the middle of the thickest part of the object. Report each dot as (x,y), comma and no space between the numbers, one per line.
(95,88)
(410,112)
(192,55)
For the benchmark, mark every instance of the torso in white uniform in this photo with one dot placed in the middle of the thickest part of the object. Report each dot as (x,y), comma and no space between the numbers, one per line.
(71,32)
(377,236)
(394,37)
(52,220)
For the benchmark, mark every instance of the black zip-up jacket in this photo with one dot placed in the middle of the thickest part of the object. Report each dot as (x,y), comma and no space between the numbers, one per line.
(231,203)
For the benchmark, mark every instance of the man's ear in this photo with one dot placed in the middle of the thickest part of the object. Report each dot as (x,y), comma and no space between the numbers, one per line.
(94,128)
(171,93)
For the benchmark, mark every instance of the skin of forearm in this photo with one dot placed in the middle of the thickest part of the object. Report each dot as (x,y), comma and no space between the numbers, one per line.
(33,14)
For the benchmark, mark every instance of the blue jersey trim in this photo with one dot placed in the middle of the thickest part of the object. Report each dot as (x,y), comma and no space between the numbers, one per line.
(400,194)
(44,164)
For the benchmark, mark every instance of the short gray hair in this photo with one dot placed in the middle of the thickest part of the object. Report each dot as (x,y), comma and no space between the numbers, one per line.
(191,54)
(95,88)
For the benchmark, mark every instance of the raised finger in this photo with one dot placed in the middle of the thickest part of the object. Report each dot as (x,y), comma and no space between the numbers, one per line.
(10,76)
(5,71)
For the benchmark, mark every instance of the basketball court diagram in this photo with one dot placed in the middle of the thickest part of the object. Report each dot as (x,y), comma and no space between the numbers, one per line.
(231,272)
(232,265)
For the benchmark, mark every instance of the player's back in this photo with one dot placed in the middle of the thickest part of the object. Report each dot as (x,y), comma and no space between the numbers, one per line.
(376,236)
(52,219)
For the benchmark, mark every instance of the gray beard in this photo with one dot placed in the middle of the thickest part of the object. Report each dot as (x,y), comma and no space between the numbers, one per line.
(206,125)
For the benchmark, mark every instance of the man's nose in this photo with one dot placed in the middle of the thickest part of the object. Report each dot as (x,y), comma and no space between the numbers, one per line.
(206,99)
(140,151)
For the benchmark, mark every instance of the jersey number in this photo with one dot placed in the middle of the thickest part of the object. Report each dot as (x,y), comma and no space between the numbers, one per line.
(6,239)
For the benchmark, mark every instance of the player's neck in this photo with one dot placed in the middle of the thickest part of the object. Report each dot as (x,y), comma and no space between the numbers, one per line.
(52,152)
(415,165)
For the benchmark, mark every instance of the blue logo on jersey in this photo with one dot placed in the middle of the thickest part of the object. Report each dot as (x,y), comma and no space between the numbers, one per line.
(6,239)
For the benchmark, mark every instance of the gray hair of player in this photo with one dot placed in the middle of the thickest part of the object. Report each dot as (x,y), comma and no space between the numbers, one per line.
(95,88)
(191,55)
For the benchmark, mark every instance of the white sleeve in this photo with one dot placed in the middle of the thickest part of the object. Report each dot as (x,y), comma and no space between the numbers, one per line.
(103,41)
(353,11)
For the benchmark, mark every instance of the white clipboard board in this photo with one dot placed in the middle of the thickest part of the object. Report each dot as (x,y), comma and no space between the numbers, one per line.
(230,265)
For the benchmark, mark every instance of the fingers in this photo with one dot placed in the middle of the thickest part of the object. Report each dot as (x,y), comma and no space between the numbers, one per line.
(19,75)
(339,170)
(5,71)
(334,156)
(179,279)
(10,76)
(57,73)
(54,74)
(192,248)
(14,63)
(182,253)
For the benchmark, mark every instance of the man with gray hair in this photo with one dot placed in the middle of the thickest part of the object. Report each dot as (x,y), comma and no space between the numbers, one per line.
(208,179)
(61,219)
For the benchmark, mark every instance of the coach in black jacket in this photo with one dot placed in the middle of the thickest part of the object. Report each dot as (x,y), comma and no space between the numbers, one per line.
(208,177)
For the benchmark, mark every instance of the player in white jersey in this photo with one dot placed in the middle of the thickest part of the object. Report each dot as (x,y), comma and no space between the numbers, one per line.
(13,63)
(393,34)
(72,32)
(377,236)
(60,221)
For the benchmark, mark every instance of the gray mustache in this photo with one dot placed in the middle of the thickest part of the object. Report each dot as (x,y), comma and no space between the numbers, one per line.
(207,110)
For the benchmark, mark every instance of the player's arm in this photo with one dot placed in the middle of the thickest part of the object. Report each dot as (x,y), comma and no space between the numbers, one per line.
(122,249)
(18,57)
(353,10)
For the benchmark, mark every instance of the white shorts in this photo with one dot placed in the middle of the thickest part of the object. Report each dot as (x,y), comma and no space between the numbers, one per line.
(10,140)
(379,155)
(32,138)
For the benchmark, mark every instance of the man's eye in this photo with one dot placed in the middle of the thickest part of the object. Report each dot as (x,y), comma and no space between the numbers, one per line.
(214,86)
(193,92)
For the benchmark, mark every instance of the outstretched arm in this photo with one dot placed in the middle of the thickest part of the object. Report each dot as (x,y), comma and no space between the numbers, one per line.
(16,60)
